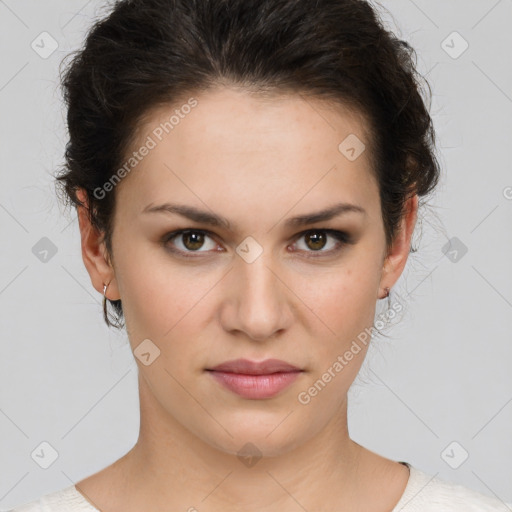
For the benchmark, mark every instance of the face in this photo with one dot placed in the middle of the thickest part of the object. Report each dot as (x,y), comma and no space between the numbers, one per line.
(255,284)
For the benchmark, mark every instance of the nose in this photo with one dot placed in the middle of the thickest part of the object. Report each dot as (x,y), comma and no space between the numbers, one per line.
(257,300)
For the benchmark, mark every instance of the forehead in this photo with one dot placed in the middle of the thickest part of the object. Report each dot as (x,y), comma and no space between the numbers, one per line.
(225,111)
(248,147)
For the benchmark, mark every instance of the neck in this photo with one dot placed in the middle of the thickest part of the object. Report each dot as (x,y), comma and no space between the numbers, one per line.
(181,469)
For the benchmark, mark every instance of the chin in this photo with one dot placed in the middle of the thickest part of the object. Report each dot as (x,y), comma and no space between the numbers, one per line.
(258,438)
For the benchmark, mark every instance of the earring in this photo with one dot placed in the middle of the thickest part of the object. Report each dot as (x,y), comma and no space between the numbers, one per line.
(105,286)
(387,292)
(117,322)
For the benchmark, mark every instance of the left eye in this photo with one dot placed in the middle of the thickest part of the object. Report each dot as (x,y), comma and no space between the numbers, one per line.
(316,240)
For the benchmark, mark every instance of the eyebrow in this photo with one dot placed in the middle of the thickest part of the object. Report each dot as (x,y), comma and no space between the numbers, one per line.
(205,217)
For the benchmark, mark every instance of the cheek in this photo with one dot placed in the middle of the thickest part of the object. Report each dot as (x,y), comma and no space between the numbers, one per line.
(344,299)
(163,302)
(343,304)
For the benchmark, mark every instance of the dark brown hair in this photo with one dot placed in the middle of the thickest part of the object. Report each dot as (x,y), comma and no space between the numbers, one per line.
(145,53)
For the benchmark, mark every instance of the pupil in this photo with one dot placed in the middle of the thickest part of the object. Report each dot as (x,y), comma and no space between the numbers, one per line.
(197,240)
(318,240)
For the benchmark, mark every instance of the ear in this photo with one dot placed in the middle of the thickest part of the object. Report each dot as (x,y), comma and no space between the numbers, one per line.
(398,253)
(94,252)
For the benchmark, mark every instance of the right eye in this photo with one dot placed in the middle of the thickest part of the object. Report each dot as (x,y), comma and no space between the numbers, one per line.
(189,241)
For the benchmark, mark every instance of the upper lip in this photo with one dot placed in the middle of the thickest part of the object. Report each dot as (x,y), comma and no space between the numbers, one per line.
(248,367)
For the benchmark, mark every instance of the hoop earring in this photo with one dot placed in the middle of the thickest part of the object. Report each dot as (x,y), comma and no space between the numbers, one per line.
(105,314)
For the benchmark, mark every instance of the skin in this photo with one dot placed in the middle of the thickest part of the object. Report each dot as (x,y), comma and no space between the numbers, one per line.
(256,162)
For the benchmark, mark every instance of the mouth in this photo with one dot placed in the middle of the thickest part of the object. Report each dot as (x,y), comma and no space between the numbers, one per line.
(255,380)
(247,367)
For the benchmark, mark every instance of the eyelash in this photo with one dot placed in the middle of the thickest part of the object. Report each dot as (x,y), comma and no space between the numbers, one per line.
(342,238)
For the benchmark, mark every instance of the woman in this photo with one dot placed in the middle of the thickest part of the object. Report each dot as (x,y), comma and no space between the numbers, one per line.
(247,175)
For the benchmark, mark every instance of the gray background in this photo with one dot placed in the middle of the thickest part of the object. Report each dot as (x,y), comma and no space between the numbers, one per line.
(442,378)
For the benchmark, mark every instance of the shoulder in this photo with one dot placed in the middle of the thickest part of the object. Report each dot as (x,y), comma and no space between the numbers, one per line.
(426,493)
(63,500)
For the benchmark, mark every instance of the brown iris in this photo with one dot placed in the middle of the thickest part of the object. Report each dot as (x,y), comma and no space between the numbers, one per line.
(193,240)
(317,238)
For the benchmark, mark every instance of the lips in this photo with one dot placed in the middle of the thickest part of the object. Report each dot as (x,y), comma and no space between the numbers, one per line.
(255,380)
(247,367)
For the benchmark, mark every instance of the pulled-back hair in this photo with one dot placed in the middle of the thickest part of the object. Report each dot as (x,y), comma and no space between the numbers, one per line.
(147,53)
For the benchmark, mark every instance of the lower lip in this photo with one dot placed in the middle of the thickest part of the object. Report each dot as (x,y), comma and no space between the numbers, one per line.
(255,386)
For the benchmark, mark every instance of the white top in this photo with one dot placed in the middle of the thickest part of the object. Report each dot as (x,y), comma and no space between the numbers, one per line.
(423,493)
